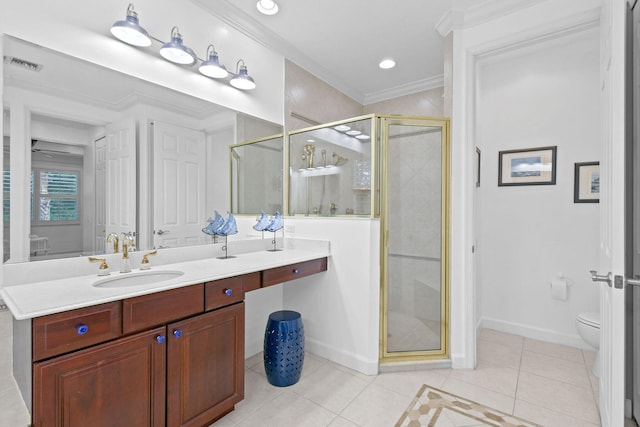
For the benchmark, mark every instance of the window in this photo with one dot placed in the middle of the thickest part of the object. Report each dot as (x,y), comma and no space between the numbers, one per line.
(6,181)
(56,195)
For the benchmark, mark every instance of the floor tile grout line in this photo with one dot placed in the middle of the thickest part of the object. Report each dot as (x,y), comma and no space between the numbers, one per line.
(515,394)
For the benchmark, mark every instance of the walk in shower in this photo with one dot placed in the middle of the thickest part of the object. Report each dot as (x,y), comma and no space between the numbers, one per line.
(395,168)
(415,159)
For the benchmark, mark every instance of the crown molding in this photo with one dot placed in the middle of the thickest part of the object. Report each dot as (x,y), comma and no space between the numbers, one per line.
(405,89)
(242,22)
(456,19)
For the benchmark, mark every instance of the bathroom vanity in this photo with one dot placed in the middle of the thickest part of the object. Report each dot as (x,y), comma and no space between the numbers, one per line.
(165,354)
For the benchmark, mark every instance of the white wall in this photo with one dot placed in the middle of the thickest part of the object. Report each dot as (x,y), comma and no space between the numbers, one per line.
(545,94)
(340,308)
(470,41)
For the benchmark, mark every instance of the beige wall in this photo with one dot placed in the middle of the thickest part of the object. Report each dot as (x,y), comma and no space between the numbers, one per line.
(426,103)
(310,101)
(309,97)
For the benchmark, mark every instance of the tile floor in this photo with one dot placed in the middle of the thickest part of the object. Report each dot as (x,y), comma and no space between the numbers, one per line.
(545,383)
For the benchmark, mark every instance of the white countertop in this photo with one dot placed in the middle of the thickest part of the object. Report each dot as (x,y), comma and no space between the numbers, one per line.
(29,300)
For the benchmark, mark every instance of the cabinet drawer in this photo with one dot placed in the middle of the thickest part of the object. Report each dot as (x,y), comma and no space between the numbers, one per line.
(219,293)
(282,274)
(156,309)
(71,330)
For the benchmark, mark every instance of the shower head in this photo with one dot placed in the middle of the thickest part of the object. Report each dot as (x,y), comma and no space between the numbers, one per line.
(339,160)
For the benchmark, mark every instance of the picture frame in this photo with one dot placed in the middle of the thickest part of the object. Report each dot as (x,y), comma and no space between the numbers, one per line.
(586,182)
(530,166)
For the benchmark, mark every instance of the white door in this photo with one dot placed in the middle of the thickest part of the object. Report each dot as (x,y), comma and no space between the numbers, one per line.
(120,178)
(612,213)
(178,186)
(101,195)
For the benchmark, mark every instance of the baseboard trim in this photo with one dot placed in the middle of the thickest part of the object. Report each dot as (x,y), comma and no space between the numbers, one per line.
(345,358)
(541,334)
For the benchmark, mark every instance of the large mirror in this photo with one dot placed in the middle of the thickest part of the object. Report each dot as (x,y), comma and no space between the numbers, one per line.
(89,152)
(256,175)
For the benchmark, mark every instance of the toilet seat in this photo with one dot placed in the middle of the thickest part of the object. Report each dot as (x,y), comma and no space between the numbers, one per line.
(590,318)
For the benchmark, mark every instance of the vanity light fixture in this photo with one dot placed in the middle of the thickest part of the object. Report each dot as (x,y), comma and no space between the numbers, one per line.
(342,128)
(176,51)
(130,31)
(242,80)
(212,66)
(353,132)
(267,7)
(363,136)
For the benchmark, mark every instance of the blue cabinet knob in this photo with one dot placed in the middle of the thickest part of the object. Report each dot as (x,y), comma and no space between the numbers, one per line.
(82,329)
(296,271)
(177,333)
(160,339)
(228,292)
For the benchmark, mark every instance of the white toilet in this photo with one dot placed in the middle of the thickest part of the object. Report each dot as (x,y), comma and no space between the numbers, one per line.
(588,325)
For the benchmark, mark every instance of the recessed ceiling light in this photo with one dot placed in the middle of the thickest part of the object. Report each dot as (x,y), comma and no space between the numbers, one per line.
(363,136)
(353,132)
(267,7)
(342,128)
(385,64)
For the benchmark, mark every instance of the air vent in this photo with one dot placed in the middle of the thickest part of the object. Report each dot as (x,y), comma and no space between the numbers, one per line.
(12,60)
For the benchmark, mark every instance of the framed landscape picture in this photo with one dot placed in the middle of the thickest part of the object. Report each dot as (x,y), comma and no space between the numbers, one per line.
(586,184)
(531,166)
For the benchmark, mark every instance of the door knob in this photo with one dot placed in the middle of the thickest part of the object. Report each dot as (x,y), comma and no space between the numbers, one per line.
(161,232)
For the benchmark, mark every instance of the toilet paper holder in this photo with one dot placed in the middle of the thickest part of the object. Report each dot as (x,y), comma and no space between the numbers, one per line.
(559,286)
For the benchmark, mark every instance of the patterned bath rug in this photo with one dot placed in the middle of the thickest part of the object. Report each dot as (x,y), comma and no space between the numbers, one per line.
(436,408)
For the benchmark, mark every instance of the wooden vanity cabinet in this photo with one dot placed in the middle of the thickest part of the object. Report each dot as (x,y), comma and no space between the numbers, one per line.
(205,366)
(120,383)
(184,373)
(173,358)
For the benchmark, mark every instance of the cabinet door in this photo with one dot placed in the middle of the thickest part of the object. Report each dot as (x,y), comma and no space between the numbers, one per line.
(120,383)
(205,366)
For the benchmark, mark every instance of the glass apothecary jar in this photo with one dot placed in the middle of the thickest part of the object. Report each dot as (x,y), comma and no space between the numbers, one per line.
(330,168)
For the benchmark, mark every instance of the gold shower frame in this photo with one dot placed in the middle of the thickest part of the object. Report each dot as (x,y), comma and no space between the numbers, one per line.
(443,352)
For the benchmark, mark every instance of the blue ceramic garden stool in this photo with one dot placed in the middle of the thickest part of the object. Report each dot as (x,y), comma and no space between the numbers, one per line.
(284,348)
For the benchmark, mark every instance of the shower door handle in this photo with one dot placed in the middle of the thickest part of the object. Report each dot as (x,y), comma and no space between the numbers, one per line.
(595,277)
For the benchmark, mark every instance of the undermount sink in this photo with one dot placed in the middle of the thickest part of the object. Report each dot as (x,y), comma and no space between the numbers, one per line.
(136,279)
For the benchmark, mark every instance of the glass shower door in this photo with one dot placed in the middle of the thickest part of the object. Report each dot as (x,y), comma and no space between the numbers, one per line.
(415,237)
